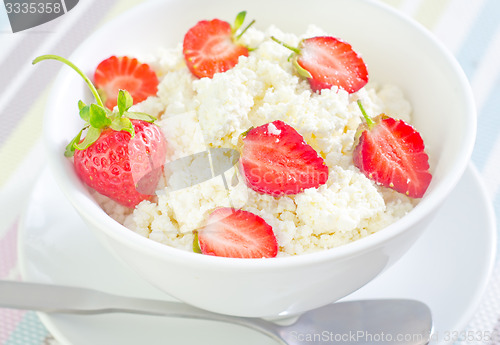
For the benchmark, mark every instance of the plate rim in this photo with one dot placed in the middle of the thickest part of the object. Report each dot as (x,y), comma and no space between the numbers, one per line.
(460,324)
(492,250)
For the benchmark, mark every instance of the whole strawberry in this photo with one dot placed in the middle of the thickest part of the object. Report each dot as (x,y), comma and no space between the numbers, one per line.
(212,46)
(327,62)
(123,168)
(391,153)
(123,152)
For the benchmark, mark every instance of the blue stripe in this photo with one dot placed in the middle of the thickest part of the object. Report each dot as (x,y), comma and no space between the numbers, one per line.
(4,20)
(479,36)
(469,56)
(30,331)
(488,127)
(496,207)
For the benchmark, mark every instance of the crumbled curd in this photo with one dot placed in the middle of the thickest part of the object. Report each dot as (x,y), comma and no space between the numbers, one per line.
(197,114)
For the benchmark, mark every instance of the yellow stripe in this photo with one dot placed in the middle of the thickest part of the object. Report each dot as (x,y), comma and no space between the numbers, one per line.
(394,3)
(429,12)
(119,7)
(28,131)
(22,139)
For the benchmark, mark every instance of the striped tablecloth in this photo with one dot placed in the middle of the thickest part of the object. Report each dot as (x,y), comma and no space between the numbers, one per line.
(469,28)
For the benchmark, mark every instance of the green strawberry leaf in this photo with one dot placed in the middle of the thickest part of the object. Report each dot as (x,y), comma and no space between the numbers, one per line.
(70,148)
(244,134)
(300,70)
(134,115)
(92,135)
(240,18)
(370,123)
(98,117)
(84,112)
(123,124)
(196,243)
(124,101)
(81,104)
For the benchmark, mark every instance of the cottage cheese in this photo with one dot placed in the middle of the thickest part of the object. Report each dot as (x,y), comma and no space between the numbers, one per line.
(197,114)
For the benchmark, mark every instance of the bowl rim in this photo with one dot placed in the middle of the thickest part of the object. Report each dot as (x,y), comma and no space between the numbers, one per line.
(89,210)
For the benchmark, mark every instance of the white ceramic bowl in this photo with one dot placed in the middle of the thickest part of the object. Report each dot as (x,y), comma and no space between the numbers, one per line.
(395,49)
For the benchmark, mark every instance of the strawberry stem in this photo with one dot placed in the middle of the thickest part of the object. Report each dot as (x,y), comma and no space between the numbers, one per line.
(368,120)
(245,29)
(240,18)
(294,49)
(77,70)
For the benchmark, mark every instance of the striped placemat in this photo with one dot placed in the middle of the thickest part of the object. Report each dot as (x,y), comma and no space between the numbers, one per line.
(469,28)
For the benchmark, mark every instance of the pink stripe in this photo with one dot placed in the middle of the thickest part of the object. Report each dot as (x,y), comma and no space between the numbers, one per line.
(8,251)
(10,320)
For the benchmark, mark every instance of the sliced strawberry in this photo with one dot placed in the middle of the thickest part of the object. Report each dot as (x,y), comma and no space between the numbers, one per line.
(276,160)
(124,73)
(237,234)
(327,62)
(210,47)
(391,153)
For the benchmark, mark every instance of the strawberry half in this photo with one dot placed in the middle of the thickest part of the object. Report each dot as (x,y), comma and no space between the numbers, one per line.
(124,73)
(211,46)
(327,62)
(123,152)
(237,234)
(276,160)
(391,153)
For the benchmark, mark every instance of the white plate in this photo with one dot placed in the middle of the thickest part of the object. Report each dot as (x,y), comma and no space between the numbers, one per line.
(448,269)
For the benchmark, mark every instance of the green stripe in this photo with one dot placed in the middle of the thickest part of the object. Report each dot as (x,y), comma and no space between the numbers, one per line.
(28,131)
(22,139)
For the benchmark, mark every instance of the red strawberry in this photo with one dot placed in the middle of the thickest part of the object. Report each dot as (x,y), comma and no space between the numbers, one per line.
(124,169)
(124,73)
(211,46)
(275,160)
(237,234)
(391,153)
(122,154)
(327,62)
